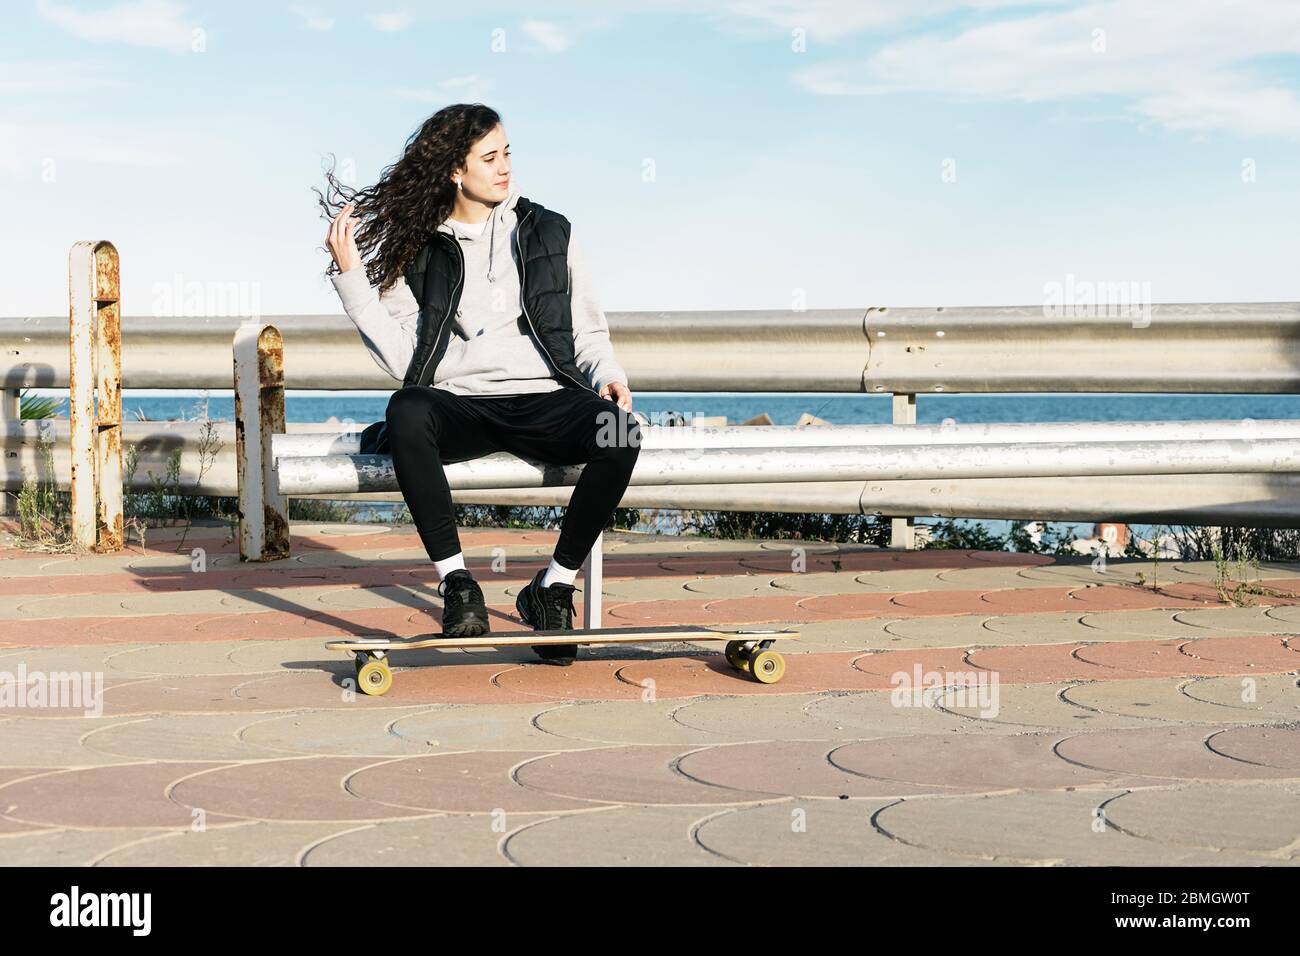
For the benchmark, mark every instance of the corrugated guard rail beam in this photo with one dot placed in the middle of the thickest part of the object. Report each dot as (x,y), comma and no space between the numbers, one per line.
(1258,500)
(1195,348)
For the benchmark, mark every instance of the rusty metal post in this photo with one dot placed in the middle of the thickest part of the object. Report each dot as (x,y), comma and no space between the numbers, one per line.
(95,395)
(593,575)
(259,414)
(902,531)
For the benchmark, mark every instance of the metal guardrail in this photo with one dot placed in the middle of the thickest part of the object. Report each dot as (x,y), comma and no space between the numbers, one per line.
(1206,348)
(354,474)
(709,455)
(1197,348)
(1266,500)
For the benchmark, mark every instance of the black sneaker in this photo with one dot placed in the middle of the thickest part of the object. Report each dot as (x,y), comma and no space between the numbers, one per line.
(464,612)
(548,609)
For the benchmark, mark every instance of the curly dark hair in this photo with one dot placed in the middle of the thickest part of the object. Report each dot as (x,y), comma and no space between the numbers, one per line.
(400,213)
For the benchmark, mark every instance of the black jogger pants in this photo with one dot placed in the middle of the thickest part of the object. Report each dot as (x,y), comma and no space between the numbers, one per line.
(429,427)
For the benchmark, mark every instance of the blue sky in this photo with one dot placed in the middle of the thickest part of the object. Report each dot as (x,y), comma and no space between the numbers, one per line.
(798,147)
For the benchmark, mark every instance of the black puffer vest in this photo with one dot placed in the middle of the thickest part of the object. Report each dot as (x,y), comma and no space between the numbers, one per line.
(436,279)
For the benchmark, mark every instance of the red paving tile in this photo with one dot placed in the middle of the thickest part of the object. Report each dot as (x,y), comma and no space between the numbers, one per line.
(788,768)
(459,783)
(584,680)
(1035,664)
(9,775)
(1122,597)
(124,795)
(474,682)
(753,610)
(1206,591)
(855,605)
(637,775)
(694,676)
(1250,650)
(1277,747)
(1029,600)
(916,603)
(883,666)
(311,788)
(973,763)
(1161,658)
(704,611)
(1178,752)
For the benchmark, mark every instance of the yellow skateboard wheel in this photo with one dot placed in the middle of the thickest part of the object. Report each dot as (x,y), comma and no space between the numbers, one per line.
(767,667)
(374,678)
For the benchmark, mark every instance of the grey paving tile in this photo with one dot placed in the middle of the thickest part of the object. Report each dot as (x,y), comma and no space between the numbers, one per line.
(622,722)
(1256,818)
(69,847)
(56,742)
(1158,698)
(621,836)
(800,832)
(1037,827)
(191,737)
(440,840)
(241,844)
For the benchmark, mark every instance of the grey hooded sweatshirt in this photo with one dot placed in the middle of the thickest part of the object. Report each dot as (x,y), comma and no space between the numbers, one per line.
(491,351)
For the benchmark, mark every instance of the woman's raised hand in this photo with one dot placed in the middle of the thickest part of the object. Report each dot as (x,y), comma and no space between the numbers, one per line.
(342,246)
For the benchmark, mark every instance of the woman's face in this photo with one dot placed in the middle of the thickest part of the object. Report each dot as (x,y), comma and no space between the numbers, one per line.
(486,174)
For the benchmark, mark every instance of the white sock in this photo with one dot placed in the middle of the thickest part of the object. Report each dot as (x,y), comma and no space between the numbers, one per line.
(447,565)
(558,573)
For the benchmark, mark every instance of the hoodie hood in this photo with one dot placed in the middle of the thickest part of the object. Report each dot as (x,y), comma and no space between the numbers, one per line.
(499,227)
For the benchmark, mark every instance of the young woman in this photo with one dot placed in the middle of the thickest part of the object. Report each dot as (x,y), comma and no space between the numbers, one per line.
(477,300)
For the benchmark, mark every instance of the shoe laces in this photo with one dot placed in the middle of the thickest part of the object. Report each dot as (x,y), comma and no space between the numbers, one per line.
(458,594)
(556,599)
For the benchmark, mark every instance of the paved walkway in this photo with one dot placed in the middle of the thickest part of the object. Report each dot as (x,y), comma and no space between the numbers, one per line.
(1110,723)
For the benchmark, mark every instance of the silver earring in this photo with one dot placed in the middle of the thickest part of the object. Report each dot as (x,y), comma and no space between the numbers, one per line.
(459,186)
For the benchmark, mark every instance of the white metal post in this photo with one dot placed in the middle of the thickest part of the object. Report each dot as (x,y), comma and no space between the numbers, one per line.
(259,414)
(10,411)
(902,531)
(95,395)
(593,573)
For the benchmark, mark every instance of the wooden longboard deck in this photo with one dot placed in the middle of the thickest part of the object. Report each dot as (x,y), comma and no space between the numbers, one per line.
(604,635)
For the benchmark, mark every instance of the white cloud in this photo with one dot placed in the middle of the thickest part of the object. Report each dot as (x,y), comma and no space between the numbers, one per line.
(549,35)
(312,19)
(392,22)
(150,23)
(1184,65)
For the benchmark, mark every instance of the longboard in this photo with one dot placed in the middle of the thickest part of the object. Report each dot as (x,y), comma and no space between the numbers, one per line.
(747,648)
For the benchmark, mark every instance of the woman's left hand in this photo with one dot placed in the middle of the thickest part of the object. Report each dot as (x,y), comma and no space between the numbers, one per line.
(620,393)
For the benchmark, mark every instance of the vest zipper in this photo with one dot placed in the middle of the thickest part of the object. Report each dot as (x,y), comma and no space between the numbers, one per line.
(451,304)
(524,305)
